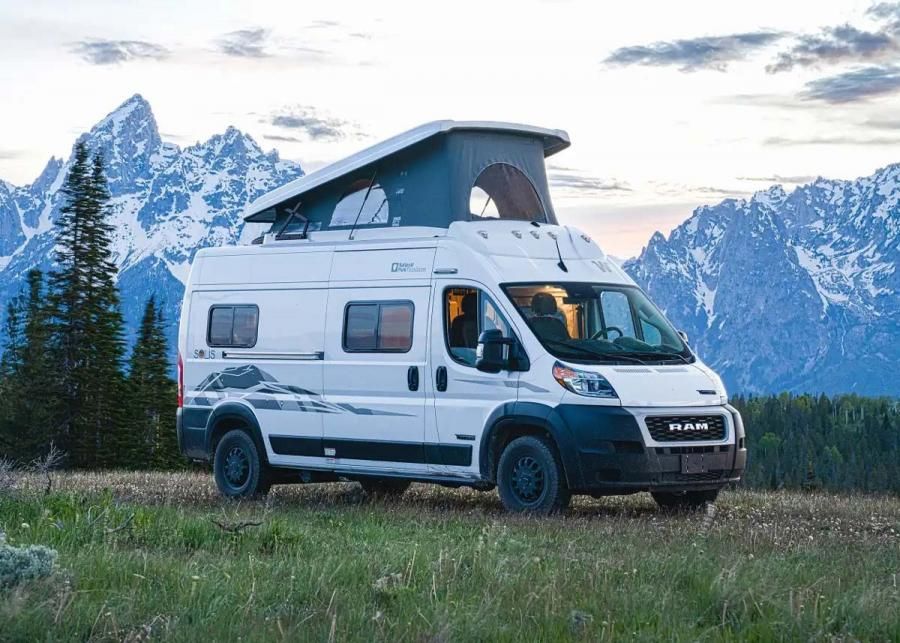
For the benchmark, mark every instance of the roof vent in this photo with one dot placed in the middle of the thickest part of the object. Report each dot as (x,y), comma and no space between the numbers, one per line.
(483,234)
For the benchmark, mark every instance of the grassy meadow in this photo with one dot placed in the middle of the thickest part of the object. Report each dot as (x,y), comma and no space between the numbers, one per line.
(162,557)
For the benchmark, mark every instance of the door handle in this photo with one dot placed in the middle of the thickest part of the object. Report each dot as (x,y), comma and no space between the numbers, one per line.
(412,378)
(440,378)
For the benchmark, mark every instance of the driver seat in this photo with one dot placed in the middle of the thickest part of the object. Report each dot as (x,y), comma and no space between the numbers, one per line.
(544,322)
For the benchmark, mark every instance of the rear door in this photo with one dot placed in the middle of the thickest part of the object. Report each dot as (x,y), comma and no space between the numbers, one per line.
(261,349)
(376,345)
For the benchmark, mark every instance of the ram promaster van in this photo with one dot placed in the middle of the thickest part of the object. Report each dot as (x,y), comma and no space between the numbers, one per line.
(416,313)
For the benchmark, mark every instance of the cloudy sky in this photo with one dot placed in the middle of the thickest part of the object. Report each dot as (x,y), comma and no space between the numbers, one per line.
(669,105)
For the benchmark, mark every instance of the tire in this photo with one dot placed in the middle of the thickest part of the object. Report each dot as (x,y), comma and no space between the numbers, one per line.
(239,469)
(530,477)
(686,500)
(384,487)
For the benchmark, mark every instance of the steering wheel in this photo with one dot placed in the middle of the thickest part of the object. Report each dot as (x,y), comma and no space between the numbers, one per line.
(605,333)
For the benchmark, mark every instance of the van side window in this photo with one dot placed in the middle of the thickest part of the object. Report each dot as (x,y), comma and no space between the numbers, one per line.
(467,313)
(234,326)
(378,327)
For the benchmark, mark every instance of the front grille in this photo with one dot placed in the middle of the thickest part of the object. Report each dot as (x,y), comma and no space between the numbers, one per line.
(686,428)
(697,477)
(707,448)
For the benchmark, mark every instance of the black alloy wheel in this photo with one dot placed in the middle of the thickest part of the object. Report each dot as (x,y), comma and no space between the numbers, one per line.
(530,477)
(239,469)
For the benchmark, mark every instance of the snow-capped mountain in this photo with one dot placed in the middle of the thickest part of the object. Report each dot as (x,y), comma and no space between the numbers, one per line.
(167,202)
(789,292)
(781,291)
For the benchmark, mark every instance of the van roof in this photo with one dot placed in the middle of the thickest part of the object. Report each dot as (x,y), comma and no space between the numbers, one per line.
(261,210)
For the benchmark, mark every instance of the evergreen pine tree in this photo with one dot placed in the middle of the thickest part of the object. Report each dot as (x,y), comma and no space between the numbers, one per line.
(35,415)
(87,333)
(152,396)
(10,365)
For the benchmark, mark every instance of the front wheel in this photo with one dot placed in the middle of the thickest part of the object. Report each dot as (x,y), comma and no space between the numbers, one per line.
(530,478)
(238,468)
(685,500)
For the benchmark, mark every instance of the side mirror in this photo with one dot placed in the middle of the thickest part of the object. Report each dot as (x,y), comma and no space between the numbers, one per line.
(683,336)
(492,354)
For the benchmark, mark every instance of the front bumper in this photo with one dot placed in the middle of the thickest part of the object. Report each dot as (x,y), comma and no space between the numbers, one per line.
(614,453)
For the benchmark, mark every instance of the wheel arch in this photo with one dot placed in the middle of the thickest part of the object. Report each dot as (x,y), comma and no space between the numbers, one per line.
(516,419)
(233,415)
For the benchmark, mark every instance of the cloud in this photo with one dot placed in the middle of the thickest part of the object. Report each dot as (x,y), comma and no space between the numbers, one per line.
(308,121)
(112,52)
(883,123)
(831,140)
(834,45)
(719,192)
(323,24)
(244,43)
(11,155)
(709,52)
(572,182)
(778,178)
(846,43)
(855,85)
(282,139)
(886,11)
(684,191)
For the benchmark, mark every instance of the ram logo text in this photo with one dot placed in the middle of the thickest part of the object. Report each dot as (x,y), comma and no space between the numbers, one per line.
(689,426)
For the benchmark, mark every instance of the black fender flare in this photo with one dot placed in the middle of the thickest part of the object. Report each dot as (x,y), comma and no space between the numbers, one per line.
(233,412)
(538,415)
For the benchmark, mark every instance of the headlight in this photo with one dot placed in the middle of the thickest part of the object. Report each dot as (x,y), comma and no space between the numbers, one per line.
(583,382)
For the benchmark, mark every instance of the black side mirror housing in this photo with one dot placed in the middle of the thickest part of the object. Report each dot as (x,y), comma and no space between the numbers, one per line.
(493,352)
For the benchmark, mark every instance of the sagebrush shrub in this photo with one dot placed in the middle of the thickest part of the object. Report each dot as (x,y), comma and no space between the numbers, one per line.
(20,564)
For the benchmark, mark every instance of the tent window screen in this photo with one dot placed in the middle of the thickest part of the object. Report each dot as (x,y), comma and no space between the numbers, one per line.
(502,191)
(378,327)
(355,208)
(234,326)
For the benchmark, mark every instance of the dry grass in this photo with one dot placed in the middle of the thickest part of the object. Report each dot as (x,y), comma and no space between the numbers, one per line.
(784,517)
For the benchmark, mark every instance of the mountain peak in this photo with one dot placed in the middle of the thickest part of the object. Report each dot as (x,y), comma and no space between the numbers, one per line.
(772,197)
(49,174)
(134,111)
(232,143)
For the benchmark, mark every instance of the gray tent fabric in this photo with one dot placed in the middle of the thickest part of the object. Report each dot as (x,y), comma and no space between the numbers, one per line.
(469,154)
(429,184)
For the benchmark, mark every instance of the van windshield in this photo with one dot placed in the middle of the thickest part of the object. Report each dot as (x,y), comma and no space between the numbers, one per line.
(598,323)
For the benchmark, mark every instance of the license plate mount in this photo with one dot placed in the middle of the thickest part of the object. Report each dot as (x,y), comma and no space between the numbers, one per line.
(694,463)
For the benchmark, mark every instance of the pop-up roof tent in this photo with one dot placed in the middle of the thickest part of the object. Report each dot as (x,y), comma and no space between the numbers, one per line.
(431,176)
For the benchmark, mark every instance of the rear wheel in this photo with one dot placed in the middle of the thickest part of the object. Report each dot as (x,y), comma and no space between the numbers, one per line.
(530,477)
(384,487)
(685,500)
(238,467)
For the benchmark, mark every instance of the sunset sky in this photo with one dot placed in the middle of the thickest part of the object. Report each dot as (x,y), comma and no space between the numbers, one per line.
(669,105)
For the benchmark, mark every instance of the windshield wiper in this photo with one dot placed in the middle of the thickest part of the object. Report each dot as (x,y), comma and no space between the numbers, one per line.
(660,356)
(596,354)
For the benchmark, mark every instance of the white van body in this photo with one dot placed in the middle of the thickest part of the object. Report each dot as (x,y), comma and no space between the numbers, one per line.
(360,404)
(321,401)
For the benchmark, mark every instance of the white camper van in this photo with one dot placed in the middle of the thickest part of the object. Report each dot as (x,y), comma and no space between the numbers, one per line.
(415,313)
